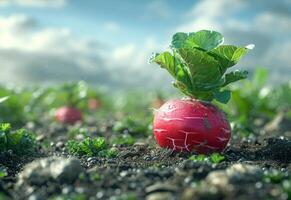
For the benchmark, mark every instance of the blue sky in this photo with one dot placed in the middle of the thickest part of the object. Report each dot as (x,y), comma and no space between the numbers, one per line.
(108,42)
(135,19)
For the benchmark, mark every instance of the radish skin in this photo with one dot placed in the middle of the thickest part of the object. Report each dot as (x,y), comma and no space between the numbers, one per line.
(191,125)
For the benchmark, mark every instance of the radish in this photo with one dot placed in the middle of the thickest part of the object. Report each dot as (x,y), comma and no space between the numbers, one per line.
(73,94)
(198,62)
(191,124)
(68,115)
(94,104)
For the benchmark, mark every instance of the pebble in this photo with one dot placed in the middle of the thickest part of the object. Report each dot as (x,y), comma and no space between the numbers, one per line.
(202,192)
(160,187)
(58,169)
(60,145)
(235,174)
(160,196)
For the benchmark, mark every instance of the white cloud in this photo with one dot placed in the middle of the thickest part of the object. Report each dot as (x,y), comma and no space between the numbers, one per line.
(242,23)
(209,14)
(266,22)
(159,8)
(32,54)
(112,27)
(34,3)
(125,52)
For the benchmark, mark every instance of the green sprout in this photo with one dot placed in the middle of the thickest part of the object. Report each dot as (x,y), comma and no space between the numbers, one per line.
(21,142)
(214,158)
(3,172)
(274,176)
(199,61)
(90,147)
(198,158)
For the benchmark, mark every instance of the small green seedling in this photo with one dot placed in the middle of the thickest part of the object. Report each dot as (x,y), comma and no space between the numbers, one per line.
(198,158)
(214,158)
(90,147)
(21,142)
(274,176)
(3,172)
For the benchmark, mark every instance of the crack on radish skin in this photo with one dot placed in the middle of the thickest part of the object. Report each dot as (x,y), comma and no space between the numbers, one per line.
(180,119)
(167,111)
(176,147)
(222,139)
(159,130)
(172,119)
(186,145)
(187,132)
(193,118)
(225,130)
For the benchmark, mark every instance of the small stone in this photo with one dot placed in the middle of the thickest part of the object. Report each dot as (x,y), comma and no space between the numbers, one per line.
(160,196)
(60,145)
(58,169)
(238,173)
(218,178)
(203,192)
(140,144)
(123,173)
(160,187)
(235,174)
(67,190)
(40,137)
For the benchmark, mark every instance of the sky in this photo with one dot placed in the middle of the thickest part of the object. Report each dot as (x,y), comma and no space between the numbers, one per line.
(109,42)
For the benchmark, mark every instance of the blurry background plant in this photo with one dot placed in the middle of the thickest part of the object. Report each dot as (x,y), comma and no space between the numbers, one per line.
(253,103)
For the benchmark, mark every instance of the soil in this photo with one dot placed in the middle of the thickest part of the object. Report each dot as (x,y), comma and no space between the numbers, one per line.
(145,171)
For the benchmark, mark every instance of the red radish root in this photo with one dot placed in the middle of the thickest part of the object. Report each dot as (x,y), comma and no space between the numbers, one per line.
(191,125)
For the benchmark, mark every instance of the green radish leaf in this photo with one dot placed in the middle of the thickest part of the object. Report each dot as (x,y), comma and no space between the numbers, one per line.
(173,65)
(204,39)
(178,40)
(204,69)
(199,61)
(222,96)
(228,55)
(234,76)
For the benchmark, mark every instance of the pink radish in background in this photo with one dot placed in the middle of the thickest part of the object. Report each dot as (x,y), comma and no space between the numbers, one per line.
(68,115)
